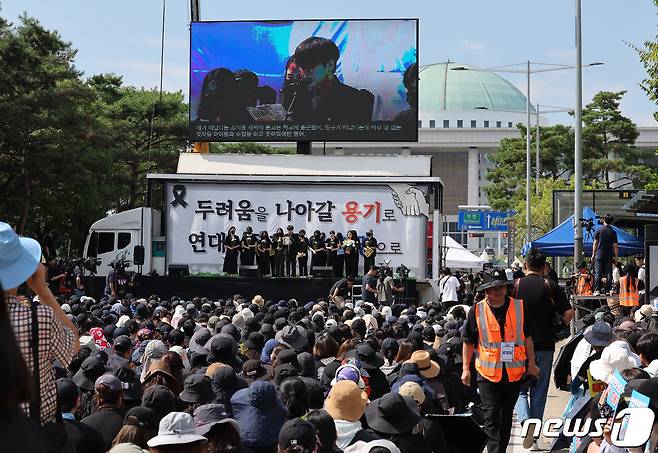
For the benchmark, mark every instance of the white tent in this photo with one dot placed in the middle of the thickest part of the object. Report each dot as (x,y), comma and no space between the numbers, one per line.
(457,257)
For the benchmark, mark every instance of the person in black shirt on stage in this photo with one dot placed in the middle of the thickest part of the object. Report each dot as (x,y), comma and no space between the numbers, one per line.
(351,248)
(341,290)
(263,250)
(232,247)
(279,256)
(332,245)
(369,251)
(290,243)
(302,253)
(248,250)
(369,290)
(317,250)
(339,259)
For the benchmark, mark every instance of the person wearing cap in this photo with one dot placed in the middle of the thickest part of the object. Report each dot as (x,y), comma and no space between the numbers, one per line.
(58,337)
(177,432)
(139,425)
(544,300)
(80,436)
(213,422)
(108,417)
(369,251)
(122,351)
(498,328)
(297,436)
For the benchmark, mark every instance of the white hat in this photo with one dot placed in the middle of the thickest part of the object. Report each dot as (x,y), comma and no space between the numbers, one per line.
(247,313)
(122,320)
(643,312)
(371,322)
(84,299)
(88,341)
(365,447)
(66,308)
(176,428)
(622,344)
(612,358)
(330,323)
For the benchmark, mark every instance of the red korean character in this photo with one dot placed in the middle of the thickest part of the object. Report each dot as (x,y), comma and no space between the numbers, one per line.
(377,207)
(351,211)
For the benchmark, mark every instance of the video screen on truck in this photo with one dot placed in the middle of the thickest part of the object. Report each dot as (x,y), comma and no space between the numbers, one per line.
(304,80)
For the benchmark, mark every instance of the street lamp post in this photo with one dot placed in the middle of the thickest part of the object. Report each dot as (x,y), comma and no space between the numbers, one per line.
(528,71)
(537,160)
(578,146)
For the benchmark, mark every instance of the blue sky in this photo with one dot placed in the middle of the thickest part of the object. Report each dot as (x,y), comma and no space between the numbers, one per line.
(124,37)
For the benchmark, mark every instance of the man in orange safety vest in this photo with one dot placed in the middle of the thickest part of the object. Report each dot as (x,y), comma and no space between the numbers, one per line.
(501,335)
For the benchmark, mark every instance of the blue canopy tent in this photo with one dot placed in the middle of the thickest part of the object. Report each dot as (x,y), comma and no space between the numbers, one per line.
(559,241)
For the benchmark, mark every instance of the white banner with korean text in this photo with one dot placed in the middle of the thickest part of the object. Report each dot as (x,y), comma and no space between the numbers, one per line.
(200,215)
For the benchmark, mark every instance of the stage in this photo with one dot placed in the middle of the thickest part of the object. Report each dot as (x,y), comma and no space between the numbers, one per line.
(302,289)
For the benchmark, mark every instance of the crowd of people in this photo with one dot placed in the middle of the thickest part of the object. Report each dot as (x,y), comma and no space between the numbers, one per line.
(282,254)
(233,374)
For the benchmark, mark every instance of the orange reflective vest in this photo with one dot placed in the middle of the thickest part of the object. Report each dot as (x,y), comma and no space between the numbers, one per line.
(488,359)
(584,287)
(629,296)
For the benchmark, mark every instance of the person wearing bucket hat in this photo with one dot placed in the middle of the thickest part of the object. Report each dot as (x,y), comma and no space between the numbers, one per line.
(254,370)
(428,368)
(213,422)
(346,403)
(371,361)
(197,390)
(612,358)
(394,417)
(177,428)
(222,348)
(292,336)
(58,337)
(498,328)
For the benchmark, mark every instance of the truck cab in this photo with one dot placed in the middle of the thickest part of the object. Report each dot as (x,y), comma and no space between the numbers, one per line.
(125,236)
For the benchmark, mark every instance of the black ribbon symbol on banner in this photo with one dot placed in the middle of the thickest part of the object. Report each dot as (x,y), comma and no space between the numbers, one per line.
(179,196)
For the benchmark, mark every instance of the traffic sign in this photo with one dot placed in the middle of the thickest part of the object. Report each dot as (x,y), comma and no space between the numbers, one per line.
(483,220)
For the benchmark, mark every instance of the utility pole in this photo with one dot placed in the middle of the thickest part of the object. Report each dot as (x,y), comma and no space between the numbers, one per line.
(578,148)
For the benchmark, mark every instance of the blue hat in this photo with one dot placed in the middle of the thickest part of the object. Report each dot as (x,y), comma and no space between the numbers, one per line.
(19,257)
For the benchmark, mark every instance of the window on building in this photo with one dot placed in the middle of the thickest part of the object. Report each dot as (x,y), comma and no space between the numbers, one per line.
(486,123)
(499,124)
(479,192)
(460,123)
(446,123)
(510,124)
(420,124)
(479,174)
(105,242)
(123,240)
(474,123)
(432,124)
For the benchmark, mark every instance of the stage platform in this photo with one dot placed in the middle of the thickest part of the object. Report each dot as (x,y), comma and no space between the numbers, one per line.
(302,289)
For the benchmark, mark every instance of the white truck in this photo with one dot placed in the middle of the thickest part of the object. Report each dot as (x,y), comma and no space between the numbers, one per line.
(185,227)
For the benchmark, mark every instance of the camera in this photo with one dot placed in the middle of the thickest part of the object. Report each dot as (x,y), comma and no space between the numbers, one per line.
(91,264)
(402,271)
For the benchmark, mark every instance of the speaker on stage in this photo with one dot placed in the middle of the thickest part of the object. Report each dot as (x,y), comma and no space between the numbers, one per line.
(248,270)
(321,272)
(138,255)
(179,270)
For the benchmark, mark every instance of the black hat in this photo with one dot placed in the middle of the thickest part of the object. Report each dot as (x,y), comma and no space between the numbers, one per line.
(132,388)
(287,356)
(142,311)
(392,414)
(267,331)
(368,356)
(122,344)
(280,323)
(91,369)
(160,399)
(253,370)
(298,433)
(143,417)
(67,392)
(292,336)
(256,341)
(282,372)
(494,279)
(429,334)
(199,339)
(198,389)
(221,348)
(209,415)
(175,336)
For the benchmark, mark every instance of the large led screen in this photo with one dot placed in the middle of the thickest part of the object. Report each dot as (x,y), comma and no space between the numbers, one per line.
(304,80)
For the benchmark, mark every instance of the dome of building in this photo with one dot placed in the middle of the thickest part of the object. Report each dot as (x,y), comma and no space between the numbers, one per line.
(457,87)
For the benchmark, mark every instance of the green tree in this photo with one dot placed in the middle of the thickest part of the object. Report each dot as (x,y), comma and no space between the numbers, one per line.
(45,128)
(608,144)
(507,176)
(248,148)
